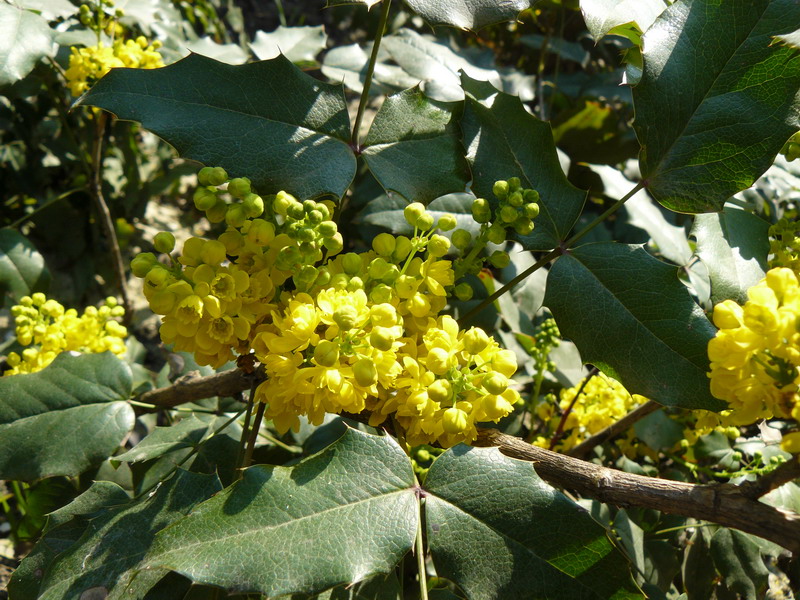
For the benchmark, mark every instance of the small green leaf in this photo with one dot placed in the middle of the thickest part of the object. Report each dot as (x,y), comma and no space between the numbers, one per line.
(733,245)
(658,431)
(186,434)
(698,571)
(503,140)
(25,39)
(715,102)
(630,316)
(739,562)
(498,531)
(60,421)
(299,44)
(22,268)
(96,560)
(335,518)
(627,18)
(266,120)
(467,14)
(413,147)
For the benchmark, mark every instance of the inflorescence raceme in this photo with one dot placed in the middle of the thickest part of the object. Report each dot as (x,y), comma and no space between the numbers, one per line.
(339,332)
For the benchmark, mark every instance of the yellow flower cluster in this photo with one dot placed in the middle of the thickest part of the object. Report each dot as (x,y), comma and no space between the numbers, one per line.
(352,332)
(87,65)
(51,329)
(602,402)
(755,356)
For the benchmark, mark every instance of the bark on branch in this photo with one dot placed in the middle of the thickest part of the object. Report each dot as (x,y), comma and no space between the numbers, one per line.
(727,504)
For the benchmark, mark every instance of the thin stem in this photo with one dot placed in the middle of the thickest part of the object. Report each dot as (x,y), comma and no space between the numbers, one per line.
(420,551)
(373,58)
(462,321)
(281,12)
(251,443)
(96,190)
(560,429)
(245,428)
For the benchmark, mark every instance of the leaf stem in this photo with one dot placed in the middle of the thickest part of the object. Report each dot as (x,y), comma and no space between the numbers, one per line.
(550,255)
(245,428)
(251,443)
(373,58)
(420,551)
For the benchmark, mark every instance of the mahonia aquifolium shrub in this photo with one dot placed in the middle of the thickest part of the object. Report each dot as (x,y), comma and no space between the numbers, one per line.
(339,332)
(48,329)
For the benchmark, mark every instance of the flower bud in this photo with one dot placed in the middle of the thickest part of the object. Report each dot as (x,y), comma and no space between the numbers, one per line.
(515,199)
(464,291)
(481,211)
(378,268)
(212,176)
(351,263)
(514,184)
(334,244)
(500,259)
(447,222)
(425,221)
(218,212)
(402,248)
(213,252)
(235,215)
(531,210)
(365,372)
(346,317)
(239,187)
(253,205)
(496,234)
(500,189)
(164,242)
(384,244)
(413,212)
(495,383)
(508,214)
(475,340)
(523,226)
(438,246)
(204,198)
(440,391)
(142,263)
(326,354)
(282,202)
(327,229)
(454,421)
(461,239)
(381,339)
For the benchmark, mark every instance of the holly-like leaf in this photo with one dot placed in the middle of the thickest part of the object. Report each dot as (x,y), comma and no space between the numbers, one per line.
(630,316)
(380,587)
(186,434)
(738,560)
(97,560)
(50,9)
(22,268)
(348,65)
(386,211)
(733,245)
(626,18)
(498,531)
(467,14)
(267,120)
(716,101)
(65,418)
(503,140)
(285,530)
(25,39)
(413,147)
(298,44)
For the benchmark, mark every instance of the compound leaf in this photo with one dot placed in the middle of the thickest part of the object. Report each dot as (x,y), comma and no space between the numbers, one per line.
(733,245)
(267,120)
(498,531)
(65,418)
(284,528)
(503,140)
(22,268)
(630,316)
(413,147)
(716,101)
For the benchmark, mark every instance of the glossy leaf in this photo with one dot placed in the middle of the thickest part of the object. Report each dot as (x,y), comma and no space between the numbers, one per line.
(185,434)
(698,571)
(50,9)
(503,140)
(498,531)
(413,147)
(348,65)
(25,39)
(626,18)
(387,212)
(630,316)
(733,245)
(22,268)
(266,120)
(60,421)
(467,14)
(284,529)
(96,562)
(716,101)
(739,562)
(380,587)
(298,44)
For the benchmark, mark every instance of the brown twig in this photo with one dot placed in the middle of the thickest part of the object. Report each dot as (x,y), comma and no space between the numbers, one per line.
(725,503)
(613,430)
(189,389)
(788,471)
(96,191)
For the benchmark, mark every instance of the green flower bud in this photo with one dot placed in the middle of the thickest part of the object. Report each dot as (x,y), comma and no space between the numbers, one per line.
(515,199)
(461,239)
(384,244)
(235,216)
(365,372)
(213,252)
(355,284)
(425,221)
(164,242)
(500,189)
(306,276)
(500,259)
(253,205)
(204,198)
(315,217)
(239,187)
(523,226)
(402,248)
(333,244)
(327,229)
(454,420)
(326,354)
(495,383)
(282,202)
(340,281)
(323,278)
(464,291)
(391,274)
(438,246)
(440,391)
(531,196)
(381,294)
(212,176)
(381,339)
(481,211)
(475,340)
(142,263)
(158,277)
(508,214)
(351,263)
(447,222)
(217,213)
(514,184)
(413,212)
(496,234)
(305,234)
(378,268)
(308,206)
(531,210)
(295,211)
(287,258)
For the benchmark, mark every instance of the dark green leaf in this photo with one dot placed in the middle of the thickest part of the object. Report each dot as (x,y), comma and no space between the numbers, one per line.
(337,517)
(733,245)
(498,531)
(627,18)
(65,418)
(380,587)
(99,495)
(298,44)
(25,38)
(739,562)
(413,147)
(97,559)
(186,434)
(658,431)
(630,316)
(22,269)
(266,120)
(503,140)
(388,212)
(698,568)
(467,14)
(715,102)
